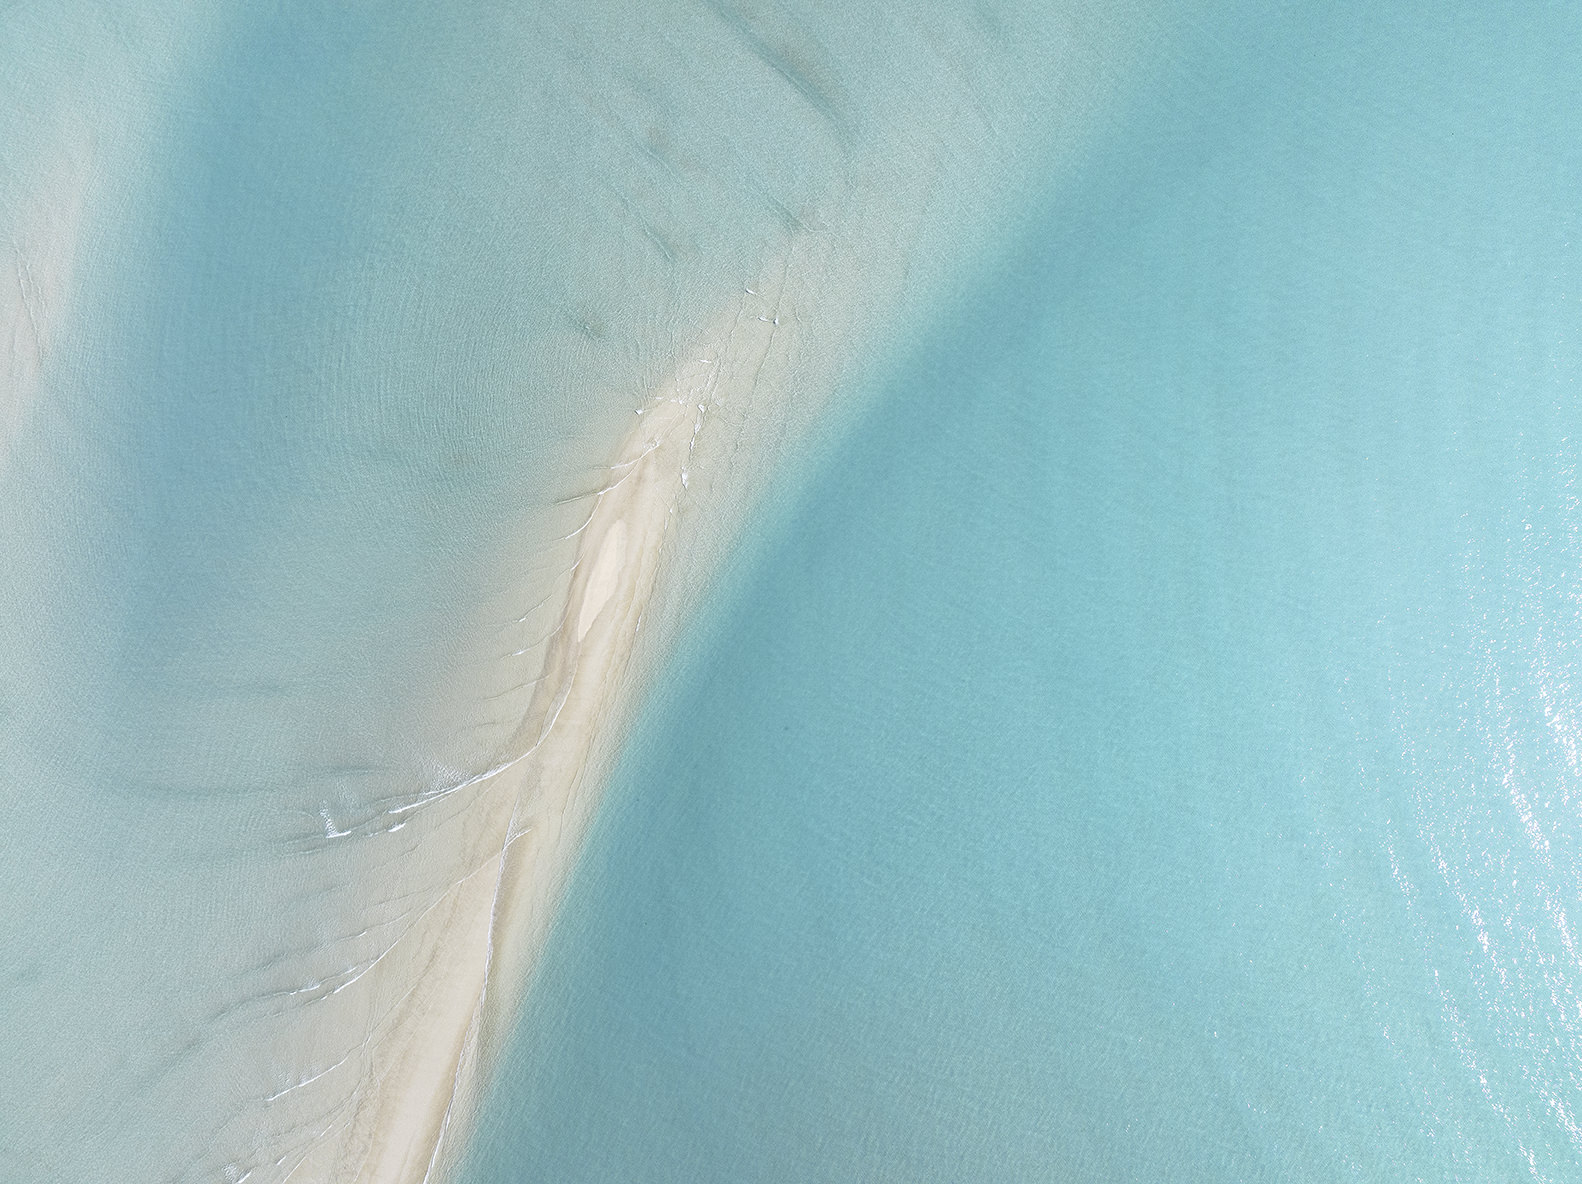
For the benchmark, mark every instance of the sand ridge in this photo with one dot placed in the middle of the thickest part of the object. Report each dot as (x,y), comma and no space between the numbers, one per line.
(457,972)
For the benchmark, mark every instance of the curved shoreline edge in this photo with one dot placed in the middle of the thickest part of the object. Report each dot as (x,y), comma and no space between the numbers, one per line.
(520,829)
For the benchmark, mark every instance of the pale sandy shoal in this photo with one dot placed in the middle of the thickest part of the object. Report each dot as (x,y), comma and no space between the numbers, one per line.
(755,385)
(455,981)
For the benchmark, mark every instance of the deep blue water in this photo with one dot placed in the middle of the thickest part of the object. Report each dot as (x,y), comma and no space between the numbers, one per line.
(1147,747)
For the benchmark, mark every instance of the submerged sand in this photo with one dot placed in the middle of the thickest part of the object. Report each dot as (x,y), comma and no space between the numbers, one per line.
(513,831)
(754,386)
(395,931)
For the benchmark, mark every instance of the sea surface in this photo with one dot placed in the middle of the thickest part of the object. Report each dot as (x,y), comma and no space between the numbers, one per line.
(313,320)
(1142,741)
(1147,747)
(314,325)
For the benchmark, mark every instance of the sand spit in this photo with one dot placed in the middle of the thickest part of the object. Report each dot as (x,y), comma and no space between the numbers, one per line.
(303,972)
(493,848)
(434,997)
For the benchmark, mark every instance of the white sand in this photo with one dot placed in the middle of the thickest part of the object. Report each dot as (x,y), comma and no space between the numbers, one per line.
(422,916)
(754,387)
(452,978)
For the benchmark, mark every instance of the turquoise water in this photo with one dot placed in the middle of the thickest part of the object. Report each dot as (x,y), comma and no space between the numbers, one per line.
(312,322)
(1148,748)
(341,311)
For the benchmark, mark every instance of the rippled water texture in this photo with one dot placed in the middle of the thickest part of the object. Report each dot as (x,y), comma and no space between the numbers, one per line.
(1057,523)
(1148,749)
(380,389)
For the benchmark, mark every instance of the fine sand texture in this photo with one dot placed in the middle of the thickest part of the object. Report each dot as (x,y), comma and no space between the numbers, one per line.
(401,1043)
(298,943)
(448,980)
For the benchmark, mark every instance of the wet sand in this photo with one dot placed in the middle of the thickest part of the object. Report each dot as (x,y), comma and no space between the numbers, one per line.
(513,831)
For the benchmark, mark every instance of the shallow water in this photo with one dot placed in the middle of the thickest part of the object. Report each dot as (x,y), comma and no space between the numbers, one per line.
(322,321)
(1148,748)
(317,320)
